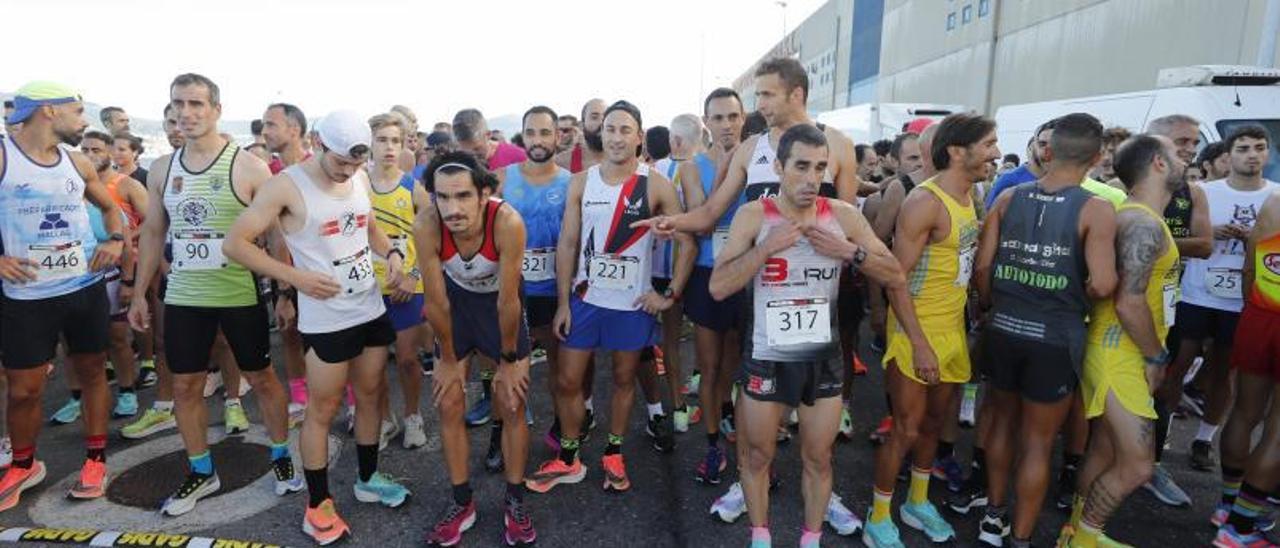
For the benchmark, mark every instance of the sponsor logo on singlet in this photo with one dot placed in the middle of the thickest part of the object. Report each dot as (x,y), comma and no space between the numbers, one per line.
(1272,262)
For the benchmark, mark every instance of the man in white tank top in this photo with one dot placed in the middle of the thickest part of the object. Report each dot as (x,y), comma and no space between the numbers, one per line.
(789,248)
(606,298)
(323,208)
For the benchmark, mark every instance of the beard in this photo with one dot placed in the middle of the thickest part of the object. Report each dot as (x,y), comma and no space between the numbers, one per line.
(102,166)
(593,139)
(70,138)
(539,154)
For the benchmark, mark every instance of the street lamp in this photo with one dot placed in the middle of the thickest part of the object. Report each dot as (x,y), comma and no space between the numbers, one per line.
(783,5)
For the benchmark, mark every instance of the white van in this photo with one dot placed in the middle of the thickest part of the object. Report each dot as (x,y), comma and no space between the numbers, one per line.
(1222,97)
(869,122)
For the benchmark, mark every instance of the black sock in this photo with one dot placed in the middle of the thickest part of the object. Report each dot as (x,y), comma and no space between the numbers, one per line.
(613,449)
(367,460)
(978,477)
(126,389)
(726,411)
(96,454)
(487,385)
(462,493)
(75,394)
(317,485)
(568,450)
(712,439)
(945,449)
(1231,473)
(515,491)
(495,433)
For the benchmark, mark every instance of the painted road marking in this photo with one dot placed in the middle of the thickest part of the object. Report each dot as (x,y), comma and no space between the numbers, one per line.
(121,539)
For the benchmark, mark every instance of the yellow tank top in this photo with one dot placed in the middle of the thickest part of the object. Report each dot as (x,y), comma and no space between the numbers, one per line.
(1162,296)
(394,213)
(1266,274)
(939,283)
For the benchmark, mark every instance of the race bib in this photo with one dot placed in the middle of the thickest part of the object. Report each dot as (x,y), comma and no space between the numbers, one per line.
(1170,297)
(539,265)
(58,261)
(608,271)
(718,239)
(355,272)
(1224,283)
(198,251)
(965,267)
(798,321)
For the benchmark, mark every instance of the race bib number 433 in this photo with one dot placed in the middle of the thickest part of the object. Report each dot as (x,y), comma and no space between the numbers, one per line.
(355,272)
(614,272)
(798,321)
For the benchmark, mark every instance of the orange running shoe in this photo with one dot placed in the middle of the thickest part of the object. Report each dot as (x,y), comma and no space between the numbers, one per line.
(16,480)
(615,473)
(553,473)
(882,432)
(93,481)
(859,368)
(323,525)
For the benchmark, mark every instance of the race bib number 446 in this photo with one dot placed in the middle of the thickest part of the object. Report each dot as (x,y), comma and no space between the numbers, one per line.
(57,261)
(614,272)
(798,321)
(355,272)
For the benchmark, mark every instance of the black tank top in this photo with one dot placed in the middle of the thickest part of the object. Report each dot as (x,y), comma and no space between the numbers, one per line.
(1177,215)
(1038,276)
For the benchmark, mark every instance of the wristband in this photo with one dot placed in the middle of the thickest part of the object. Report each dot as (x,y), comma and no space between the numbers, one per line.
(1161,359)
(859,256)
(116,237)
(510,357)
(669,293)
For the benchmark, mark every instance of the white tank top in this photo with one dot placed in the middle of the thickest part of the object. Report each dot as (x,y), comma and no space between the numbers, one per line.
(664,255)
(794,316)
(334,240)
(763,181)
(44,218)
(614,268)
(1215,282)
(478,273)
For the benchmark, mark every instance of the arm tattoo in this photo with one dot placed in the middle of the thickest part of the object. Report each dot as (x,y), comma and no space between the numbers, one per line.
(1141,241)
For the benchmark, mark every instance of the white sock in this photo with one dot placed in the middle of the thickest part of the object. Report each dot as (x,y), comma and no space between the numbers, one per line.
(233,402)
(1206,432)
(588,405)
(655,409)
(165,406)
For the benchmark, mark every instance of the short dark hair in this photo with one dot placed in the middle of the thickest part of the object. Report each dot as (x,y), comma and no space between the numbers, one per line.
(567,118)
(720,93)
(1013,159)
(106,112)
(799,133)
(97,135)
(135,142)
(1076,139)
(882,147)
(8,103)
(789,70)
(1115,135)
(293,114)
(255,127)
(860,152)
(625,106)
(540,109)
(895,148)
(467,123)
(1134,156)
(1252,131)
(754,124)
(958,130)
(167,107)
(1210,152)
(193,79)
(657,142)
(457,161)
(252,146)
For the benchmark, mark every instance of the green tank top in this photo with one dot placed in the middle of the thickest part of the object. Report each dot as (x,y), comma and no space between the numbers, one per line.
(202,205)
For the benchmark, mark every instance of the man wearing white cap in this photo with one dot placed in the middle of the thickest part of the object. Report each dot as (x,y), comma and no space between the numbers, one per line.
(322,205)
(52,272)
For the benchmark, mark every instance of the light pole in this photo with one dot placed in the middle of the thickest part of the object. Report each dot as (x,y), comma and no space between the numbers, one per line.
(783,5)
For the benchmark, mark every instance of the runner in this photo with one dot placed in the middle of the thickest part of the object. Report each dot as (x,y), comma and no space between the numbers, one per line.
(590,151)
(1256,359)
(1125,357)
(52,272)
(606,302)
(536,189)
(1033,347)
(125,150)
(472,253)
(323,207)
(396,199)
(194,199)
(792,245)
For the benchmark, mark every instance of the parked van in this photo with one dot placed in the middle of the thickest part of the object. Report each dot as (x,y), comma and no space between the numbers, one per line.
(870,122)
(1222,97)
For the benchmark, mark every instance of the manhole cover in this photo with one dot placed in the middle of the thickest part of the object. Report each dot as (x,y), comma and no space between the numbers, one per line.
(147,485)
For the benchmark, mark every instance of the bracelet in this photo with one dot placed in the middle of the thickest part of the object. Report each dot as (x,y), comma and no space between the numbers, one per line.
(397,252)
(1161,359)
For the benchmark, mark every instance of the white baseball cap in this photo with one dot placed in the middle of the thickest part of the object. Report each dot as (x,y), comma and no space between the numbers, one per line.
(345,132)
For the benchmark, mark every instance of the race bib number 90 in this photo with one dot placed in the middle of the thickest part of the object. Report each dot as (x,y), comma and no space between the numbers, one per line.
(355,272)
(198,251)
(1224,283)
(58,261)
(798,321)
(539,264)
(608,271)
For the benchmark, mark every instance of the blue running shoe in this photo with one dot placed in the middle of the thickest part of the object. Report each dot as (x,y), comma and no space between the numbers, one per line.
(924,517)
(881,534)
(479,413)
(381,488)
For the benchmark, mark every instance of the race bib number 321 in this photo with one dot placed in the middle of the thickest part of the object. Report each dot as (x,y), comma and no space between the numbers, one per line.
(539,264)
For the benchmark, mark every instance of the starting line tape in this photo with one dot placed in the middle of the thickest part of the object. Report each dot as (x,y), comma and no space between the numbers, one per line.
(90,537)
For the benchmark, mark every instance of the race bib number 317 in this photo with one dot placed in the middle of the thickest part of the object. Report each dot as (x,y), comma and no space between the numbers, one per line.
(798,321)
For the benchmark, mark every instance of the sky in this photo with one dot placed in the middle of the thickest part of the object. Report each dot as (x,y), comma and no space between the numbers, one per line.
(501,56)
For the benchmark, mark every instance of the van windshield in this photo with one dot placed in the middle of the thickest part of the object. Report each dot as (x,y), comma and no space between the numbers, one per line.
(1270,171)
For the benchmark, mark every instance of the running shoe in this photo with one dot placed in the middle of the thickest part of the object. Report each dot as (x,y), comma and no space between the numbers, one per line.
(615,473)
(297,413)
(972,496)
(212,383)
(428,362)
(969,406)
(457,520)
(555,472)
(1066,492)
(537,356)
(390,429)
(68,413)
(726,430)
(194,488)
(680,418)
(659,363)
(924,517)
(994,528)
(1165,489)
(877,344)
(234,419)
(947,469)
(287,481)
(16,480)
(859,368)
(381,488)
(882,431)
(691,386)
(711,466)
(588,419)
(1202,457)
(784,434)
(6,452)
(147,376)
(493,462)
(415,433)
(1220,514)
(846,424)
(793,418)
(1193,400)
(126,405)
(323,525)
(731,505)
(881,534)
(1227,537)
(152,421)
(518,527)
(92,483)
(110,371)
(659,428)
(479,413)
(841,518)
